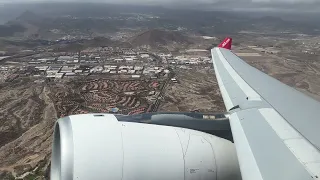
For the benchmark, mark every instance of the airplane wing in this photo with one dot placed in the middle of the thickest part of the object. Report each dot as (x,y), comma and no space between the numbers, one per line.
(275,127)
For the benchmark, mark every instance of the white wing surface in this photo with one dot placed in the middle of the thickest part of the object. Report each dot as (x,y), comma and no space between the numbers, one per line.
(276,129)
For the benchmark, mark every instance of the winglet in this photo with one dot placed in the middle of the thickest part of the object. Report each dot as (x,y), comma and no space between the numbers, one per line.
(226,43)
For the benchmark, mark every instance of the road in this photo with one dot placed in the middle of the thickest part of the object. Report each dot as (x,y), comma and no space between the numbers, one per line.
(161,95)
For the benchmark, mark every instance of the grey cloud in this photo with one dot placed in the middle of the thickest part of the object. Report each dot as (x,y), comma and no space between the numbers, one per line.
(240,5)
(266,5)
(166,1)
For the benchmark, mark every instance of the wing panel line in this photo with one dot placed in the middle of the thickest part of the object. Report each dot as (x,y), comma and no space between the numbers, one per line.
(304,151)
(248,165)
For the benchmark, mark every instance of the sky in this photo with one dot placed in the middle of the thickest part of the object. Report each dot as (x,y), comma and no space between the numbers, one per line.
(251,5)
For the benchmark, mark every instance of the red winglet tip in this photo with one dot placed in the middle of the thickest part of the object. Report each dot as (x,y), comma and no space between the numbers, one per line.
(226,43)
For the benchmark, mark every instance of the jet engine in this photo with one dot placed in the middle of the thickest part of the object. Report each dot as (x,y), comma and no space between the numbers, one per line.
(100,147)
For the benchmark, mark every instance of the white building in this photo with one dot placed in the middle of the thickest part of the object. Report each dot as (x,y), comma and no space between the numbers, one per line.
(78,71)
(131,71)
(70,74)
(144,55)
(118,59)
(129,59)
(138,68)
(123,71)
(65,58)
(42,68)
(136,76)
(59,75)
(66,69)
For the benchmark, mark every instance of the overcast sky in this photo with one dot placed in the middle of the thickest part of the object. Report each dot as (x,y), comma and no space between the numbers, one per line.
(253,5)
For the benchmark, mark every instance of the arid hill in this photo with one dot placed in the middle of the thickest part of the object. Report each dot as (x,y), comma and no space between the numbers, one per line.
(158,37)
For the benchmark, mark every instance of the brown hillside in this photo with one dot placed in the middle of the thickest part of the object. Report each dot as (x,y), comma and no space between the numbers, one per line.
(157,37)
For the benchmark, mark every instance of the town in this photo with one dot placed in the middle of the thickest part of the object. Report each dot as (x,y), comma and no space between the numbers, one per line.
(106,79)
(123,62)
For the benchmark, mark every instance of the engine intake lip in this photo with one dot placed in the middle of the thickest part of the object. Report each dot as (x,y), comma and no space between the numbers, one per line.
(62,150)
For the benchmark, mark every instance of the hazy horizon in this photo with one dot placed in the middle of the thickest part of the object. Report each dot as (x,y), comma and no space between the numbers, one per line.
(284,9)
(232,5)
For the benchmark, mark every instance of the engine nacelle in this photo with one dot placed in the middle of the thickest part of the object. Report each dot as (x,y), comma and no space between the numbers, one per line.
(99,147)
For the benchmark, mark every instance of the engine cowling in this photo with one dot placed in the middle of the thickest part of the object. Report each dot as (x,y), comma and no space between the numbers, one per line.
(98,146)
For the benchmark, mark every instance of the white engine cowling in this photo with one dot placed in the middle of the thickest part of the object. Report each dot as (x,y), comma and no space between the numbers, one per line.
(99,147)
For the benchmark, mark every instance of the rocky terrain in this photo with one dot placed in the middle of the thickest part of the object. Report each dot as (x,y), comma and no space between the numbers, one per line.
(30,108)
(27,118)
(197,90)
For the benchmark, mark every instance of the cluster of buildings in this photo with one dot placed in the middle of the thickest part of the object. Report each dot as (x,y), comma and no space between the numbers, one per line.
(117,56)
(107,60)
(127,58)
(156,72)
(268,50)
(84,59)
(59,72)
(6,73)
(54,60)
(186,60)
